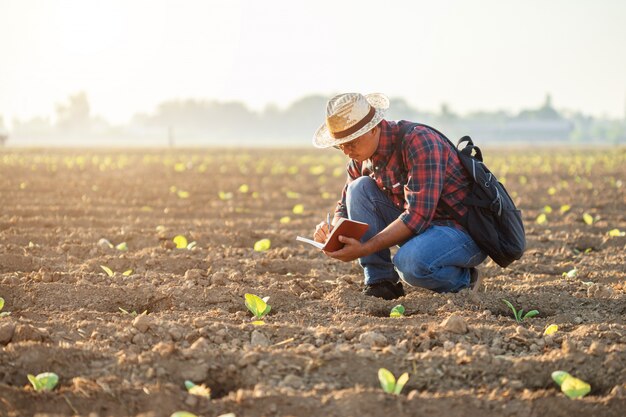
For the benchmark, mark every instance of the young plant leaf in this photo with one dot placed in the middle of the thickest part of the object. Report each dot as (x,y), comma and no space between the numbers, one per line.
(551,329)
(257,306)
(262,245)
(34,382)
(570,385)
(387,380)
(127,272)
(508,303)
(1,303)
(199,390)
(530,314)
(298,209)
(180,241)
(616,233)
(108,270)
(403,379)
(575,388)
(559,376)
(183,414)
(588,219)
(541,219)
(45,381)
(225,195)
(122,246)
(397,311)
(572,273)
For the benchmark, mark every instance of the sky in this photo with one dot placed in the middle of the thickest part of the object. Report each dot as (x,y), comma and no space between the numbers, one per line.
(131,55)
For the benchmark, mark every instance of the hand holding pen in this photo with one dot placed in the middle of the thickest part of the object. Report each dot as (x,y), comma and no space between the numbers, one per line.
(322,230)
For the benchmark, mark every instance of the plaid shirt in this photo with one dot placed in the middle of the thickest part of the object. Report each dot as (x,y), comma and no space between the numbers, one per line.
(431,172)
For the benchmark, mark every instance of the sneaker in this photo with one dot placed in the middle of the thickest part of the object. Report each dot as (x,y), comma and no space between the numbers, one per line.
(475,280)
(386,290)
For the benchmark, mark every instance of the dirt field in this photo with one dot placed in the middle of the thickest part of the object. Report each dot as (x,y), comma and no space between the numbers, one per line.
(323,342)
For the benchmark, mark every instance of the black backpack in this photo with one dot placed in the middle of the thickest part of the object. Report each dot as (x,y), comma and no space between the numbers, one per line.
(492,219)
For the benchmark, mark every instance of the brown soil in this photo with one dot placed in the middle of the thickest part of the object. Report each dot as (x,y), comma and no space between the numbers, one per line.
(323,341)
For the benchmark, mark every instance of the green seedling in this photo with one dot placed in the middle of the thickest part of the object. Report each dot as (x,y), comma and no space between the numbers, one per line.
(110,272)
(388,381)
(122,246)
(180,241)
(3,313)
(572,273)
(298,209)
(132,313)
(397,311)
(550,330)
(44,382)
(225,195)
(258,306)
(183,414)
(570,385)
(519,315)
(199,390)
(262,245)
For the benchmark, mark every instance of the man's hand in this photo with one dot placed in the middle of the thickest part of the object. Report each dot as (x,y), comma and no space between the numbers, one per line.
(321,232)
(353,249)
(396,233)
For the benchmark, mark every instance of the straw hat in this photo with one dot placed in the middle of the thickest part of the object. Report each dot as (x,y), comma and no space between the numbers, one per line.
(348,116)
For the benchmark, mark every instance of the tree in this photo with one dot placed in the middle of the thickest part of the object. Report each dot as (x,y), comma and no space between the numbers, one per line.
(75,115)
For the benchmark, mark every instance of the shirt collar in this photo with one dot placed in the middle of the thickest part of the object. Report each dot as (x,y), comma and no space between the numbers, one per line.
(388,133)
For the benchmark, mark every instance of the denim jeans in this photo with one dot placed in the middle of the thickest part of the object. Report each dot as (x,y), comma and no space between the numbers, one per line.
(438,258)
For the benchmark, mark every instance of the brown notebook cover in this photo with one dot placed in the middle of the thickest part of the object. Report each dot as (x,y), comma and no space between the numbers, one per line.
(344,227)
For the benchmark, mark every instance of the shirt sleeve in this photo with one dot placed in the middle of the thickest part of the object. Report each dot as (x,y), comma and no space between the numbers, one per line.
(353,171)
(426,157)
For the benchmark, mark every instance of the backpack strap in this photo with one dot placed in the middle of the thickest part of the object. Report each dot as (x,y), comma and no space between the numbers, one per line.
(467,149)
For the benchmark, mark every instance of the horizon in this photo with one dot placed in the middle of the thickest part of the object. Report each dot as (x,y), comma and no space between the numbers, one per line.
(486,56)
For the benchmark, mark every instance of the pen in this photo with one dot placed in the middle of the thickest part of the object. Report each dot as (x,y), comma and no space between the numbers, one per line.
(328,220)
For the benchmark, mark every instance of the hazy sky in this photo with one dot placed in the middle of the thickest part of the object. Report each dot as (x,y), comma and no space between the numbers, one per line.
(129,55)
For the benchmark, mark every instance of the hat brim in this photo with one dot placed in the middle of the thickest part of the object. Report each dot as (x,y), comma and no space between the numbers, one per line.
(323,138)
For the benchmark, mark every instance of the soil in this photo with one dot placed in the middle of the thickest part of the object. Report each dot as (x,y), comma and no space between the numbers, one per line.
(323,342)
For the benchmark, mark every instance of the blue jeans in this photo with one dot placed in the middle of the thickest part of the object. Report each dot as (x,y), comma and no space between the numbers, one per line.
(438,258)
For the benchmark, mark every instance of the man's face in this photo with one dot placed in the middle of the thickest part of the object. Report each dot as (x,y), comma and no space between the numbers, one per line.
(363,147)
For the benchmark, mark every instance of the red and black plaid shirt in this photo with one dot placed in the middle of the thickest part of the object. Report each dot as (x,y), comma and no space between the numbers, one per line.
(431,171)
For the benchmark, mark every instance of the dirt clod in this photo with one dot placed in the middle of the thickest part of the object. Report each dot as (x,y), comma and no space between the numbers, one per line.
(454,324)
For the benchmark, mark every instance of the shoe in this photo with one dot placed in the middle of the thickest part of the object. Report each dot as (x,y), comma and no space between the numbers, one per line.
(386,290)
(476,280)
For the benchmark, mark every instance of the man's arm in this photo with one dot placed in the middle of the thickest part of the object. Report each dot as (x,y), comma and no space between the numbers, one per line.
(397,232)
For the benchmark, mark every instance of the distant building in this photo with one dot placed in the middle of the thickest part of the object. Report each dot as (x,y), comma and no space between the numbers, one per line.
(544,124)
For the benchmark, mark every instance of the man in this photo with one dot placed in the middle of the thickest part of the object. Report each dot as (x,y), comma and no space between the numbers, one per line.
(397,185)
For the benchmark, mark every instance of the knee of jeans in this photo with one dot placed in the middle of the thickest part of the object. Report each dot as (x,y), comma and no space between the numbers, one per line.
(359,189)
(409,266)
